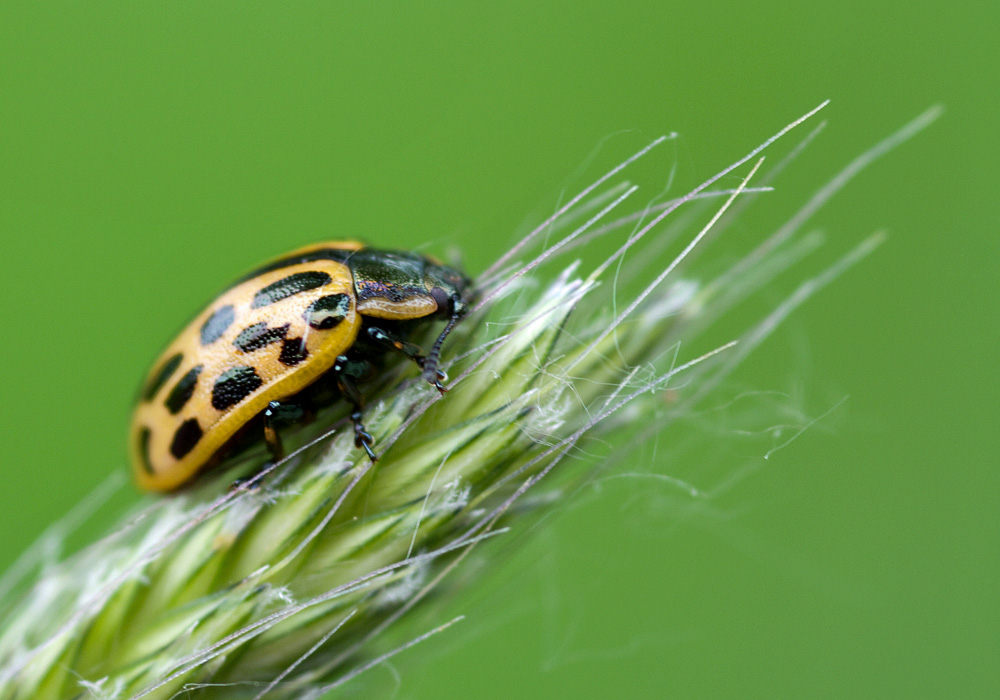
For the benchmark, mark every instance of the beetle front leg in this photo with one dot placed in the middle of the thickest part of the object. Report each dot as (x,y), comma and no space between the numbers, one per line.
(346,383)
(414,352)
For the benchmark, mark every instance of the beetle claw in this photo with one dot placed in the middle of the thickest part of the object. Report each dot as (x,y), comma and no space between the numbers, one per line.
(436,379)
(364,440)
(371,453)
(246,483)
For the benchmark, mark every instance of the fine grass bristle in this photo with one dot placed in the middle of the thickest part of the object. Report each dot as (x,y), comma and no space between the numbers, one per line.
(299,580)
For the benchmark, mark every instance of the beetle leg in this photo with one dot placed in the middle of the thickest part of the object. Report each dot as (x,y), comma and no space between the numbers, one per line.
(347,386)
(275,413)
(414,352)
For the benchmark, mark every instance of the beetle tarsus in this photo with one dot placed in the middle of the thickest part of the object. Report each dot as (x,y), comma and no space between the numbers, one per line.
(362,438)
(345,382)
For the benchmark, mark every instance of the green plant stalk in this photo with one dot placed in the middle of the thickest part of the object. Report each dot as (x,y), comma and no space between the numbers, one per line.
(290,586)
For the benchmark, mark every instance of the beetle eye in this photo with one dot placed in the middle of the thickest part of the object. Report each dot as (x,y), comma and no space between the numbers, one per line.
(442,299)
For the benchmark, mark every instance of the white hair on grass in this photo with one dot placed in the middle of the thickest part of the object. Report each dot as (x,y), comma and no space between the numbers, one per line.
(289,586)
(98,691)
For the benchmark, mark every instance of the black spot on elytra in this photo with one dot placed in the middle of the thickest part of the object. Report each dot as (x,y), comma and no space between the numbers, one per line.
(217,324)
(162,375)
(144,436)
(186,437)
(327,312)
(233,386)
(293,351)
(289,286)
(182,390)
(258,336)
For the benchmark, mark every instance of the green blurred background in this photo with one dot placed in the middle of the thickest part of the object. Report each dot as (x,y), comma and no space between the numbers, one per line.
(151,152)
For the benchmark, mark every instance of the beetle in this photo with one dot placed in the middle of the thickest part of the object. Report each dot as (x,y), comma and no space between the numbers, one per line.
(291,336)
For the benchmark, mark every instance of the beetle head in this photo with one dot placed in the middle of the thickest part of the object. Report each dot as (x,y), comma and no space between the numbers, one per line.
(452,290)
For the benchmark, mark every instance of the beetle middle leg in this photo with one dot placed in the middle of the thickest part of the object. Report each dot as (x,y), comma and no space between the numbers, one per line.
(347,373)
(276,415)
(412,351)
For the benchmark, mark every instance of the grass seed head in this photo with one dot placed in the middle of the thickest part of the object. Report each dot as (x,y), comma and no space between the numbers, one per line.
(292,585)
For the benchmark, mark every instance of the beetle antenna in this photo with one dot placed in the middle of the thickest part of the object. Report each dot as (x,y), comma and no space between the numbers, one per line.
(431,363)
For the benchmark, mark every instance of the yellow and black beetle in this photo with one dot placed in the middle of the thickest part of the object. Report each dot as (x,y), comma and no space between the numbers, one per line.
(291,335)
